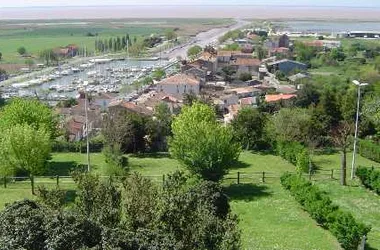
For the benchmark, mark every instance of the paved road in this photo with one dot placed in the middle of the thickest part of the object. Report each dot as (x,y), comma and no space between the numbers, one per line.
(203,39)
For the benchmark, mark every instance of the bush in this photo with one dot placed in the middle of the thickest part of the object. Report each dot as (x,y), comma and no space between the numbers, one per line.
(370,150)
(60,146)
(341,224)
(369,177)
(295,153)
(116,162)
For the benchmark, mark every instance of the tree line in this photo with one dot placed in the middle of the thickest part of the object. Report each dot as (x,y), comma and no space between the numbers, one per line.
(114,44)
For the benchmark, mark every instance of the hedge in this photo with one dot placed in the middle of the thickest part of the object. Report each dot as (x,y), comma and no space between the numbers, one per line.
(369,177)
(369,150)
(295,153)
(96,146)
(341,224)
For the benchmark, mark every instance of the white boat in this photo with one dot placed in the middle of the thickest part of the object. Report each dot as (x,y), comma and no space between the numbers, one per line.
(66,72)
(21,85)
(91,73)
(100,60)
(75,70)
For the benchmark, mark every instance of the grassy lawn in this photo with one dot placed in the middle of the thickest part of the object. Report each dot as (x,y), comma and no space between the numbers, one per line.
(269,217)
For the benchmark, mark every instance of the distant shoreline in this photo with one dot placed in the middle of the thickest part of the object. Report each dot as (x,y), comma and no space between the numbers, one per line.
(326,13)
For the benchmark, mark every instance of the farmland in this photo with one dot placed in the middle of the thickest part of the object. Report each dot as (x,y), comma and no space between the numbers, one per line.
(36,36)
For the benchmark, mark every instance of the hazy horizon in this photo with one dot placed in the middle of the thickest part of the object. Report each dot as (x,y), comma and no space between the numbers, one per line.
(191,11)
(303,3)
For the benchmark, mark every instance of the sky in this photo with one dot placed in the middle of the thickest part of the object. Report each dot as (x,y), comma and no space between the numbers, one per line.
(37,3)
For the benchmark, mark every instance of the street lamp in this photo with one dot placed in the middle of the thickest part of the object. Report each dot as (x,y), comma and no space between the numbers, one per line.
(358,84)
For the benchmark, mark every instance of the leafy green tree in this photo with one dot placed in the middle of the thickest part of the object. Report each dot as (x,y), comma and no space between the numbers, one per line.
(21,51)
(31,112)
(1,56)
(171,35)
(291,124)
(158,74)
(159,128)
(194,51)
(203,208)
(22,226)
(260,52)
(245,76)
(25,148)
(48,56)
(140,199)
(371,110)
(337,54)
(203,145)
(307,95)
(248,127)
(228,72)
(98,200)
(304,53)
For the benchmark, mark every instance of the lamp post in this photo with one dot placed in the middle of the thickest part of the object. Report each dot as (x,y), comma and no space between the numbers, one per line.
(87,130)
(358,84)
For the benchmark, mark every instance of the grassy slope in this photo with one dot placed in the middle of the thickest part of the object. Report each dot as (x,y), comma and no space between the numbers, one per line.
(363,204)
(269,216)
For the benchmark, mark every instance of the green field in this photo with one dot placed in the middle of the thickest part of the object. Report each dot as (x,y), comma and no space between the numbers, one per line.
(37,36)
(269,216)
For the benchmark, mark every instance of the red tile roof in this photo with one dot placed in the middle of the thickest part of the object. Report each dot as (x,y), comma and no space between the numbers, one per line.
(130,106)
(247,62)
(246,101)
(180,79)
(275,98)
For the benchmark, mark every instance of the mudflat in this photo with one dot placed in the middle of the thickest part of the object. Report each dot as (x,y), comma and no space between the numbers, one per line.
(192,11)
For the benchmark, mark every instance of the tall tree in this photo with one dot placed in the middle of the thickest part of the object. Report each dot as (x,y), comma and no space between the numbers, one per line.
(291,125)
(194,51)
(203,145)
(31,112)
(248,127)
(48,56)
(341,136)
(25,148)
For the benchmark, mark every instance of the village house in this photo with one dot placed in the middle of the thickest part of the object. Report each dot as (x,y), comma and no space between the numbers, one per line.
(70,50)
(324,44)
(279,97)
(248,101)
(280,52)
(153,99)
(244,92)
(179,84)
(197,73)
(102,100)
(286,66)
(223,102)
(246,65)
(130,107)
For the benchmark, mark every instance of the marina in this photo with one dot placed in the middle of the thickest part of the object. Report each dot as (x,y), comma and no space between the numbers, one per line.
(96,76)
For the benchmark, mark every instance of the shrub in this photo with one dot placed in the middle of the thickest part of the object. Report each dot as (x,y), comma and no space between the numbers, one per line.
(116,162)
(370,178)
(341,224)
(60,146)
(295,153)
(370,150)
